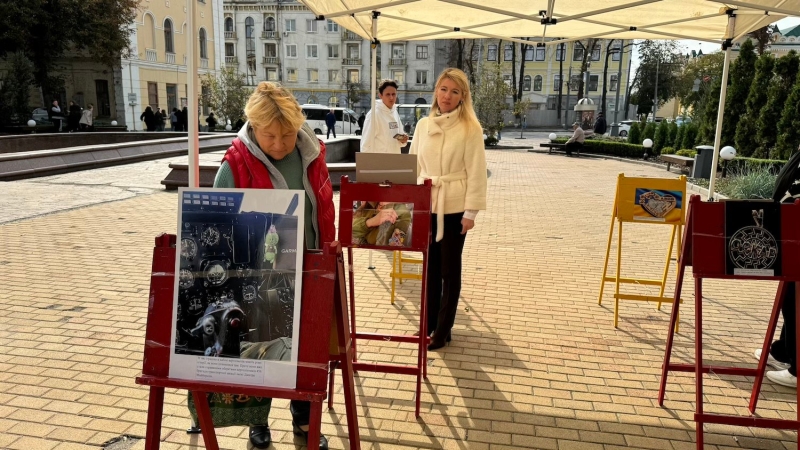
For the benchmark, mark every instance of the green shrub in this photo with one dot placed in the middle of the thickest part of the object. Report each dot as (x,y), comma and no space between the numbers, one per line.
(748,184)
(649,131)
(673,134)
(689,136)
(661,137)
(611,148)
(678,141)
(635,134)
(689,153)
(667,151)
(746,165)
(490,141)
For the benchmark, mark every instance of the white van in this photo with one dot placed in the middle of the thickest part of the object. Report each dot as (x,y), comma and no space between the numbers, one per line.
(346,119)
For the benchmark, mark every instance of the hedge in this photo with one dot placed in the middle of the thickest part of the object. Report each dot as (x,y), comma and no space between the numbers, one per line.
(604,147)
(744,164)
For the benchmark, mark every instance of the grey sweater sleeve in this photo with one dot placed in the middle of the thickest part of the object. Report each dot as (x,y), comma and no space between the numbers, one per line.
(224,178)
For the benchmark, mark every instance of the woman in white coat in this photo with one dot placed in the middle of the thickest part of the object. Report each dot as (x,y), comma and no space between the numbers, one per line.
(450,153)
(383,131)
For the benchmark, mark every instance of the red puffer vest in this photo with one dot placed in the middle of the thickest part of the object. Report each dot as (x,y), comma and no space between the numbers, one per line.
(249,172)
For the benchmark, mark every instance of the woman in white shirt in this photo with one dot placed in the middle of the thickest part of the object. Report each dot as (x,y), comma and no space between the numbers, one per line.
(86,118)
(383,124)
(450,150)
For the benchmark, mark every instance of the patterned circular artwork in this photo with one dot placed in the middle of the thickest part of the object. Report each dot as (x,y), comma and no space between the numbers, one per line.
(753,248)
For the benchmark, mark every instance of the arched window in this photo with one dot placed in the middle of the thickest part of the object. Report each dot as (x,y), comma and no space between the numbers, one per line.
(526,83)
(150,24)
(333,101)
(169,45)
(537,83)
(203,47)
(312,100)
(228,24)
(269,24)
(249,28)
(420,101)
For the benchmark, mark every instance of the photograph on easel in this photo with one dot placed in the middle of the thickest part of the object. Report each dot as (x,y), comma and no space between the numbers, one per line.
(386,224)
(753,238)
(237,293)
(651,205)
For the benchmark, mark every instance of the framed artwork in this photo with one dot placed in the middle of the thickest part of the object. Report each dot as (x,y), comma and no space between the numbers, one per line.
(382,223)
(654,205)
(753,238)
(651,200)
(236,307)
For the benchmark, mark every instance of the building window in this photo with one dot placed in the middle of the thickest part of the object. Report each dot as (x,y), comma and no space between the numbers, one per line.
(272,74)
(228,25)
(596,52)
(270,50)
(354,51)
(172,97)
(312,100)
(614,83)
(333,76)
(152,94)
(249,28)
(250,47)
(491,53)
(333,27)
(169,44)
(508,51)
(311,25)
(291,75)
(529,50)
(230,49)
(617,49)
(311,50)
(526,83)
(291,25)
(422,52)
(422,77)
(593,82)
(577,52)
(561,50)
(269,23)
(540,53)
(291,50)
(333,51)
(537,83)
(333,102)
(203,46)
(557,83)
(353,75)
(398,51)
(574,82)
(313,76)
(399,76)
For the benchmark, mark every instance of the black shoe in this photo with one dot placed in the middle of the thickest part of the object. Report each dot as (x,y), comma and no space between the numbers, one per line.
(449,337)
(260,436)
(323,441)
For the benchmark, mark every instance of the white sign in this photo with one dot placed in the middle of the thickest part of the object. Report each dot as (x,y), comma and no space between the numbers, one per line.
(132,98)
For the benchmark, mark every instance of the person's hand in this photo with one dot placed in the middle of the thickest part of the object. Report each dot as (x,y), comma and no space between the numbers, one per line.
(404,139)
(384,215)
(466,225)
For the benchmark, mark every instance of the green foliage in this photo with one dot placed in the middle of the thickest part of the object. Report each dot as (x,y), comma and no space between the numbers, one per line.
(786,69)
(659,61)
(667,151)
(742,164)
(748,184)
(680,132)
(673,134)
(742,71)
(15,90)
(687,153)
(707,123)
(789,125)
(489,98)
(689,136)
(697,70)
(661,137)
(491,141)
(227,93)
(355,90)
(604,147)
(649,131)
(746,130)
(635,133)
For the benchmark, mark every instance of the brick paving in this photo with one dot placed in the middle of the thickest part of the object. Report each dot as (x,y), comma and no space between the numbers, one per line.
(534,362)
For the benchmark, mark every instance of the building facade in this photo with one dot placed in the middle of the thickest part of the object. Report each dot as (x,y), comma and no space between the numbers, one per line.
(155,74)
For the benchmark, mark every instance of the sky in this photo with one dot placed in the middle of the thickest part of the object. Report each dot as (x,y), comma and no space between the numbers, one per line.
(707,47)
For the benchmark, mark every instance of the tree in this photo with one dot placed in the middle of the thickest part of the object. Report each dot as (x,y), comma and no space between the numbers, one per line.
(605,75)
(673,135)
(786,69)
(649,131)
(523,48)
(227,93)
(745,138)
(661,138)
(15,89)
(763,36)
(695,79)
(742,72)
(46,29)
(659,65)
(563,47)
(707,114)
(789,126)
(354,92)
(489,98)
(587,54)
(677,143)
(689,136)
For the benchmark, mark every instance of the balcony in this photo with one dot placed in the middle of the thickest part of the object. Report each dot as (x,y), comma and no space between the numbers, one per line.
(230,35)
(270,61)
(151,55)
(170,58)
(231,61)
(397,62)
(350,36)
(204,63)
(270,35)
(351,61)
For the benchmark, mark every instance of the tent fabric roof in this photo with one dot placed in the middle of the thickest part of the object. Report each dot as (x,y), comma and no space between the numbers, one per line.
(402,20)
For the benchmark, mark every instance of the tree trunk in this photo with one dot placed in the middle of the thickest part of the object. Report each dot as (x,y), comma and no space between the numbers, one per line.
(561,77)
(470,63)
(523,48)
(514,73)
(587,54)
(605,76)
(460,58)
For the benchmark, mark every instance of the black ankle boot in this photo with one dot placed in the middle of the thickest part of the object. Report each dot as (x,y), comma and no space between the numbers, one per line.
(260,436)
(323,441)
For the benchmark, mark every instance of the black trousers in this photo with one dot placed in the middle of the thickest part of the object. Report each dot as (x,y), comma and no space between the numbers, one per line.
(301,412)
(573,147)
(331,129)
(784,349)
(444,274)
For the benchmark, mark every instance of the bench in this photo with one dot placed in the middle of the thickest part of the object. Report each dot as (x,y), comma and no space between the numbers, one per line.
(179,176)
(553,147)
(683,161)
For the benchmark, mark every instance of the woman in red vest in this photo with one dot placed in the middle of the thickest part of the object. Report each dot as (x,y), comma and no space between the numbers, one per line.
(275,149)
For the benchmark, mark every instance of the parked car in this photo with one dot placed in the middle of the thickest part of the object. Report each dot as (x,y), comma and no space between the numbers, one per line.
(625,127)
(40,116)
(683,120)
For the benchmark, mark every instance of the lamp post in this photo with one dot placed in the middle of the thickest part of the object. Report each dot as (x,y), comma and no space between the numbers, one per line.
(647,144)
(727,154)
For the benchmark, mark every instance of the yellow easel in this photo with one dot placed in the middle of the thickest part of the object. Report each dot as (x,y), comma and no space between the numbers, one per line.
(397,270)
(644,200)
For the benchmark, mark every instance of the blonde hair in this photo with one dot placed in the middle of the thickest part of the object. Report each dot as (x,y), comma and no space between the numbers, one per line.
(270,102)
(467,112)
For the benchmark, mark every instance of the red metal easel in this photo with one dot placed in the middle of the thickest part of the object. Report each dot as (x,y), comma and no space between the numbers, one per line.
(705,233)
(420,196)
(323,300)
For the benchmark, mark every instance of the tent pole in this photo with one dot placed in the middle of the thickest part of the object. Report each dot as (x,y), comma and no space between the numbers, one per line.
(721,109)
(192,111)
(373,82)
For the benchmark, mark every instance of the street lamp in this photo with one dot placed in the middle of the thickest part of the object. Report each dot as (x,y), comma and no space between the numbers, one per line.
(552,137)
(727,154)
(647,144)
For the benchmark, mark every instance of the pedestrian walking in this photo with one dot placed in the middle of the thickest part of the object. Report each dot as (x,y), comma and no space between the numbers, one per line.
(600,125)
(149,118)
(86,118)
(56,116)
(184,119)
(73,117)
(159,118)
(361,119)
(330,123)
(211,121)
(450,153)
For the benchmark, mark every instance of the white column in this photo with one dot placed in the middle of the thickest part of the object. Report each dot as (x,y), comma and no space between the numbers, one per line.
(721,109)
(191,85)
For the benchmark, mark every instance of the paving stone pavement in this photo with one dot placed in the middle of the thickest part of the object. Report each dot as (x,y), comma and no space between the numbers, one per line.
(534,363)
